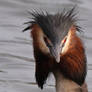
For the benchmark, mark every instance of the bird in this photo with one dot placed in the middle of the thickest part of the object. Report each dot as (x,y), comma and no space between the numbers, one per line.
(59,50)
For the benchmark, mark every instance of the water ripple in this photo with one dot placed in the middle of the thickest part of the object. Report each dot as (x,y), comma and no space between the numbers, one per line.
(16,56)
(15,42)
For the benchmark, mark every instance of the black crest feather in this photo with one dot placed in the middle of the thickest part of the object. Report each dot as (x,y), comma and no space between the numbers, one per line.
(55,26)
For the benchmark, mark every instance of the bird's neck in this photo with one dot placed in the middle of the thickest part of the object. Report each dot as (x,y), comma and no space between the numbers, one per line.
(65,85)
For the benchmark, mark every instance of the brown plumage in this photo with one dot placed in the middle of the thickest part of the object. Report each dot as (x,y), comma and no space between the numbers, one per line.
(44,62)
(58,49)
(73,59)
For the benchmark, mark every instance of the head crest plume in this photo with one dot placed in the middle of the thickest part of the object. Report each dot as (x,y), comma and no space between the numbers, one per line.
(57,24)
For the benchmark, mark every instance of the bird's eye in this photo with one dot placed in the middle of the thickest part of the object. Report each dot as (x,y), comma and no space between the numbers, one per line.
(48,42)
(63,42)
(45,39)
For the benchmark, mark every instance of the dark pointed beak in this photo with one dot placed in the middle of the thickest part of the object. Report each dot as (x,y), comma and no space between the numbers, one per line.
(55,51)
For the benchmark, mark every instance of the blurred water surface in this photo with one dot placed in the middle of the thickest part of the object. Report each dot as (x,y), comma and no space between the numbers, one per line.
(16,53)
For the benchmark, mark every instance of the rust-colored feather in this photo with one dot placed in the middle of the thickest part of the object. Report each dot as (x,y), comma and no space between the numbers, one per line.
(44,62)
(73,61)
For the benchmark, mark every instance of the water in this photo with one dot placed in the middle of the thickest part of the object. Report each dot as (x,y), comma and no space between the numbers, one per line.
(16,57)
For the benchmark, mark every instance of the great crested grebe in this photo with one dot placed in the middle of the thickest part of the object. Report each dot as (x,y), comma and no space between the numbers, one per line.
(58,50)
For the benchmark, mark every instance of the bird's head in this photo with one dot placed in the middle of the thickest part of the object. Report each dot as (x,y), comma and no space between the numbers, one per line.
(52,30)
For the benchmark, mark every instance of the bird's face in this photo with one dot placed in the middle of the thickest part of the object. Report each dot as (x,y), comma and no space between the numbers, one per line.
(55,49)
(50,32)
(59,45)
